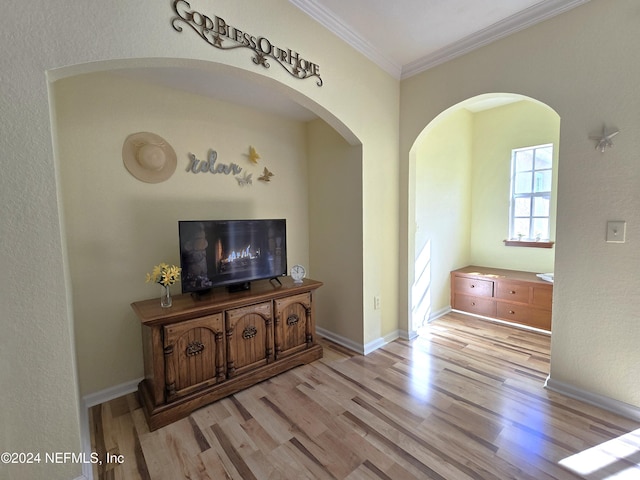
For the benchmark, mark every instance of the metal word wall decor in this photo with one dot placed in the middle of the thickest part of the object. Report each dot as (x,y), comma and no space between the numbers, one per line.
(209,165)
(216,31)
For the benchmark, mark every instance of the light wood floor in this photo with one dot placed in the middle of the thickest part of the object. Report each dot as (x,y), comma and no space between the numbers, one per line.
(464,401)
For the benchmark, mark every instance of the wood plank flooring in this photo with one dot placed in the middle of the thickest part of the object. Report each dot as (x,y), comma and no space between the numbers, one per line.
(463,401)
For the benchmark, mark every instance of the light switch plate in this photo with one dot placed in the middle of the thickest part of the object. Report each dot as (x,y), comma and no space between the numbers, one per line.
(616,231)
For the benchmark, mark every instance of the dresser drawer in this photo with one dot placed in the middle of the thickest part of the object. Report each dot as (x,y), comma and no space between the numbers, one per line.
(513,313)
(515,296)
(476,305)
(473,286)
(514,292)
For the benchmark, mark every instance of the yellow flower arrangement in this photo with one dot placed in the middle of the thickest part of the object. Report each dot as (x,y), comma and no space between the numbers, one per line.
(164,274)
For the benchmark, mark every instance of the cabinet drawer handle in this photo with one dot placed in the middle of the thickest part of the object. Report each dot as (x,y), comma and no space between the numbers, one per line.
(249,332)
(512,312)
(473,286)
(194,348)
(473,304)
(512,292)
(292,319)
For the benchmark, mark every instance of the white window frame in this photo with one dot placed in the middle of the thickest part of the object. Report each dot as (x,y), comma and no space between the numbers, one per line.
(530,194)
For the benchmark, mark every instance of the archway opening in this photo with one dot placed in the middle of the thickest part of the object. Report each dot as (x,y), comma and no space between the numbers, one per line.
(459,195)
(116,228)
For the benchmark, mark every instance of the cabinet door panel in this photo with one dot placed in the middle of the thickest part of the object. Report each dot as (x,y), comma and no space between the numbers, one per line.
(249,337)
(194,355)
(541,318)
(293,329)
(542,296)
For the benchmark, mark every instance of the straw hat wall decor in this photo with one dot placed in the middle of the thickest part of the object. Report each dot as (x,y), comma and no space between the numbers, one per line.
(148,157)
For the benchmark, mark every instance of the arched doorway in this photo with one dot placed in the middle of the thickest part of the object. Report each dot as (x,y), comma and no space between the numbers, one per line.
(92,116)
(460,172)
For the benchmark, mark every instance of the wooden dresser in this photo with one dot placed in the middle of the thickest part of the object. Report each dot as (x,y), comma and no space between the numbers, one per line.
(200,350)
(510,295)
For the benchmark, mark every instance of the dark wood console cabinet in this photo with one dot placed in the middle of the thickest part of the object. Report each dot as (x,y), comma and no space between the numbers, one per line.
(510,295)
(202,349)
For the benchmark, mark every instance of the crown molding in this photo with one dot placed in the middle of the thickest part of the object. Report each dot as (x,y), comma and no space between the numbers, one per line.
(515,23)
(327,19)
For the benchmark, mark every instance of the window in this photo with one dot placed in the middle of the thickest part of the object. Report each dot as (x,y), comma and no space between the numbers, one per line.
(531,171)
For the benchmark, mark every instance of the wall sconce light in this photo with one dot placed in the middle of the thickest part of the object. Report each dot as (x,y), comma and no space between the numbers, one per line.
(604,140)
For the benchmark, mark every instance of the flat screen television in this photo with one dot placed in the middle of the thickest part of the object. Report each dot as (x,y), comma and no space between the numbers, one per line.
(231,253)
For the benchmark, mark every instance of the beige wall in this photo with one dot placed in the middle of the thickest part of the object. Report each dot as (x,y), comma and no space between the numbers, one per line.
(595,321)
(496,132)
(52,42)
(443,158)
(118,227)
(335,198)
(582,64)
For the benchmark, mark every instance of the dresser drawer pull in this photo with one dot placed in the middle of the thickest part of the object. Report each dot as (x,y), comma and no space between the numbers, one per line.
(473,304)
(194,348)
(512,292)
(249,332)
(472,286)
(512,312)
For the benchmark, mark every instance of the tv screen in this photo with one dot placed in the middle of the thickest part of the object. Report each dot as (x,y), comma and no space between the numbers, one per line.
(231,253)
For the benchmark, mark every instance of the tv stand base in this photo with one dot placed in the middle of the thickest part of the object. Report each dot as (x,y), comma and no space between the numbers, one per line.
(160,415)
(201,350)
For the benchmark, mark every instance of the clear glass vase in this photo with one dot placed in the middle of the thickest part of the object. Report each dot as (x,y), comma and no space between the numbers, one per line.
(165,296)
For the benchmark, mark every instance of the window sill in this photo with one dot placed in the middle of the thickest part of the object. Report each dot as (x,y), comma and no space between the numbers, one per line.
(524,243)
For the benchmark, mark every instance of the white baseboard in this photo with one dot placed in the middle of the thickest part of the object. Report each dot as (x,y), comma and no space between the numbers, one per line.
(92,400)
(440,313)
(365,349)
(340,340)
(430,317)
(606,403)
(406,335)
(373,345)
(362,349)
(110,393)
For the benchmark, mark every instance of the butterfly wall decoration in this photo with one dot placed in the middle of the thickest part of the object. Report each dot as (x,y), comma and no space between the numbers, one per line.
(245,179)
(253,155)
(266,175)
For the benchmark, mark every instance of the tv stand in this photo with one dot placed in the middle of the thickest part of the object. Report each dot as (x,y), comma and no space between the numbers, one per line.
(201,350)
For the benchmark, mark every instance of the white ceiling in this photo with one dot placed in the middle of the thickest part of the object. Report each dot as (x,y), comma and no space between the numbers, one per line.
(404,37)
